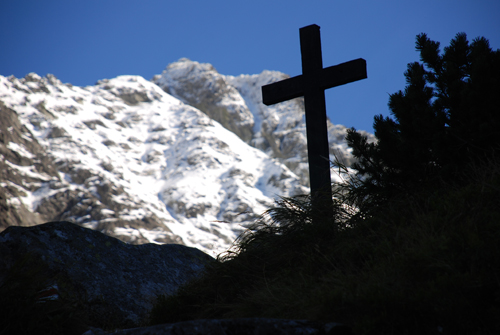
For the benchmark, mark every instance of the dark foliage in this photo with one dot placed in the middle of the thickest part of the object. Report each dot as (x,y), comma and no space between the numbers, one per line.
(447,116)
(427,262)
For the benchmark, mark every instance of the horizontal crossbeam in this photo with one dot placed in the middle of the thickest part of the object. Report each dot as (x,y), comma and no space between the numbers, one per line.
(332,76)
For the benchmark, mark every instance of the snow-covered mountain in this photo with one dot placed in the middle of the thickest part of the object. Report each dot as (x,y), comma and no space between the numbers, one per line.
(190,157)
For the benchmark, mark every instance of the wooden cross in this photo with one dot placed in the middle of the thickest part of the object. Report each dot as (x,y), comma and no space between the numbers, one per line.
(312,85)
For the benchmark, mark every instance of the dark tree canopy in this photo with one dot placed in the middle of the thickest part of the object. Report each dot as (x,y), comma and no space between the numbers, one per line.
(447,116)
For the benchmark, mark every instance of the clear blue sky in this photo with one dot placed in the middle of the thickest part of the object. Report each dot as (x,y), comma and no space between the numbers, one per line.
(81,42)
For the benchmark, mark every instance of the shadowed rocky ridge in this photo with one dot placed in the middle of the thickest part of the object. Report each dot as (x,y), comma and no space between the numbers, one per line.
(116,282)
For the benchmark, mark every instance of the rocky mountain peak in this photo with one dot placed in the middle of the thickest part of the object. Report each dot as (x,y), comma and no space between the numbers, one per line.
(201,86)
(191,157)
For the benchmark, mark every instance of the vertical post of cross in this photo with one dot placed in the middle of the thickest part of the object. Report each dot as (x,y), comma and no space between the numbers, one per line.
(312,85)
(316,126)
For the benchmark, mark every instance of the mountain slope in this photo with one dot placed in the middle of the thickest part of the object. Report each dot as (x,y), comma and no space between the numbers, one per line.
(129,159)
(236,102)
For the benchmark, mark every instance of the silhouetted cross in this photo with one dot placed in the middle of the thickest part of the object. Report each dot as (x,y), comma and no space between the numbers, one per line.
(312,85)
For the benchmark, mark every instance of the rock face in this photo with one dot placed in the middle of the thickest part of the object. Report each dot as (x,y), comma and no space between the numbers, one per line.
(116,281)
(278,130)
(202,87)
(39,183)
(192,157)
(127,159)
(249,326)
(19,148)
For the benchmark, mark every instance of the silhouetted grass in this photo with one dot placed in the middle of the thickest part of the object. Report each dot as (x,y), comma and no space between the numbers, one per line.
(424,263)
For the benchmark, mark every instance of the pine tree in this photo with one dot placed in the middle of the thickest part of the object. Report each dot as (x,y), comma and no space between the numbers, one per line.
(447,116)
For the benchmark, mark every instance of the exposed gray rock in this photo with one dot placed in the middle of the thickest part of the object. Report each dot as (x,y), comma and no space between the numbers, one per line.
(41,108)
(57,132)
(248,326)
(131,95)
(280,129)
(201,86)
(236,102)
(92,124)
(19,148)
(116,281)
(39,83)
(26,168)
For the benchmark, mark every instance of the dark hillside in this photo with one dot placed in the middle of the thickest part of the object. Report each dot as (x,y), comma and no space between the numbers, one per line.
(421,252)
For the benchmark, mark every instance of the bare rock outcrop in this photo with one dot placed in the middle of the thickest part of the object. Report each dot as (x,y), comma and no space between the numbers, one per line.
(24,166)
(202,87)
(117,282)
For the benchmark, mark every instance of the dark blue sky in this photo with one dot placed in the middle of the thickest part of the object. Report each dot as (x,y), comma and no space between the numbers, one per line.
(81,42)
